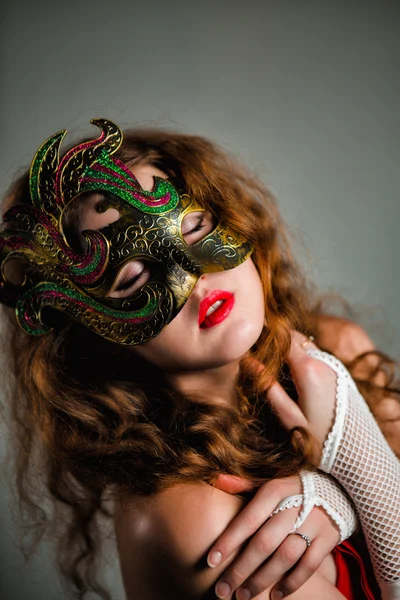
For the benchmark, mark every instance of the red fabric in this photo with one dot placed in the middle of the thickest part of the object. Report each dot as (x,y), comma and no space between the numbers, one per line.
(355,578)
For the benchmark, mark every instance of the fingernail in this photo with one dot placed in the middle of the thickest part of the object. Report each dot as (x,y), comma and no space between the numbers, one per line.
(243,594)
(214,558)
(276,595)
(223,589)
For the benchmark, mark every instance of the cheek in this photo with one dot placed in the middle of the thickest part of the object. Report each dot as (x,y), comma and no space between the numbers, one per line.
(164,348)
(199,350)
(254,288)
(254,303)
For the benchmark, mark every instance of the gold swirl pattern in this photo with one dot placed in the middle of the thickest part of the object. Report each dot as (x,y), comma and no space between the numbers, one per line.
(149,229)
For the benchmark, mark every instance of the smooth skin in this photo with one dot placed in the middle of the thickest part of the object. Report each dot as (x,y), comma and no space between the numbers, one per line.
(316,386)
(163,543)
(271,553)
(175,530)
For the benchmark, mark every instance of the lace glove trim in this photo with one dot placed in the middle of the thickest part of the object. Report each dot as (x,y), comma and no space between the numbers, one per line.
(358,456)
(322,490)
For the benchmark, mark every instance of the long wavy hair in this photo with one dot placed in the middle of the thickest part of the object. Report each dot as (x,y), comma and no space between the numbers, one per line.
(91,420)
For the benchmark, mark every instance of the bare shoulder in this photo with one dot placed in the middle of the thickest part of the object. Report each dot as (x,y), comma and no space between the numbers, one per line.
(163,543)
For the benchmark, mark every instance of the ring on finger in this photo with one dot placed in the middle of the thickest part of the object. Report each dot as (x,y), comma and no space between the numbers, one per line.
(302,535)
(309,340)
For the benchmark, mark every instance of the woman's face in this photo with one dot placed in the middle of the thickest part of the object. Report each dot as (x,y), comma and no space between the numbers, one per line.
(223,316)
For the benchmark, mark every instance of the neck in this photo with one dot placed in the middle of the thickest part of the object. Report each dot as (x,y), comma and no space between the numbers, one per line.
(216,385)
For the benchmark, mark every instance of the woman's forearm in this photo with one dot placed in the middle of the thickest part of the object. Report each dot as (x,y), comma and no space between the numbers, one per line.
(357,454)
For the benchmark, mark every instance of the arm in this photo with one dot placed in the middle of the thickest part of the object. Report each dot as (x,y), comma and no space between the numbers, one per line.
(163,543)
(355,451)
(348,341)
(252,568)
(357,454)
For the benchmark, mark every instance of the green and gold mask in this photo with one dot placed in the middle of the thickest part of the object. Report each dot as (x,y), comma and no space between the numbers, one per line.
(149,229)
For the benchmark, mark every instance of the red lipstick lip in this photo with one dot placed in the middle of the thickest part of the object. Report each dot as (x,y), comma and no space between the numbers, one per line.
(220,313)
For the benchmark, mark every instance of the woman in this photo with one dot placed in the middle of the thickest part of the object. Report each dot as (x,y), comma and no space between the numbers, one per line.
(182,309)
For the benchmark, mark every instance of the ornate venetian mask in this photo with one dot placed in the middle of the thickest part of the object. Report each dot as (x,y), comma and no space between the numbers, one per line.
(149,229)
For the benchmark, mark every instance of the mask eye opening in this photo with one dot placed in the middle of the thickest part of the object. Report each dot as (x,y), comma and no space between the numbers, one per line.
(132,277)
(196,225)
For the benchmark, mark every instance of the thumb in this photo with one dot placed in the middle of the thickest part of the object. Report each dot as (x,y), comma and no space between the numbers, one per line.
(287,410)
(231,484)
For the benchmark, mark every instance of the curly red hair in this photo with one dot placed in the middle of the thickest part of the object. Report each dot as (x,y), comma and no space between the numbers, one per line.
(91,420)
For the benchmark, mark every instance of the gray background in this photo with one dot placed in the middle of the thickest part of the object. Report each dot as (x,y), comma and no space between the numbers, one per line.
(305,92)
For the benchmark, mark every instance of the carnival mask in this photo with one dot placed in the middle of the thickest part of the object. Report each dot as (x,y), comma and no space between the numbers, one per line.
(149,229)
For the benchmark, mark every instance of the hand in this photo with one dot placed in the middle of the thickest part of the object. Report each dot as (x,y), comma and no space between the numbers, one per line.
(270,537)
(316,387)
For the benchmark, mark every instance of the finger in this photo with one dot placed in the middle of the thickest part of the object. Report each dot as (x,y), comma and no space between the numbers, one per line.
(298,357)
(261,547)
(231,484)
(287,410)
(303,341)
(286,556)
(308,564)
(303,367)
(255,366)
(316,385)
(246,523)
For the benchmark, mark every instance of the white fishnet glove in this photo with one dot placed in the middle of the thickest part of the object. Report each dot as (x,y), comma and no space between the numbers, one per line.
(358,456)
(322,490)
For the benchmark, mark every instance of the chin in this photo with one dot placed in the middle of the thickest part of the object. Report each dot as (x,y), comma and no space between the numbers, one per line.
(234,344)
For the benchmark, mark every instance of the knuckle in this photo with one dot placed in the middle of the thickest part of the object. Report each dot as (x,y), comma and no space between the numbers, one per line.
(316,371)
(311,367)
(272,486)
(251,519)
(296,579)
(236,575)
(290,550)
(307,567)
(290,585)
(259,582)
(264,544)
(311,563)
(271,491)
